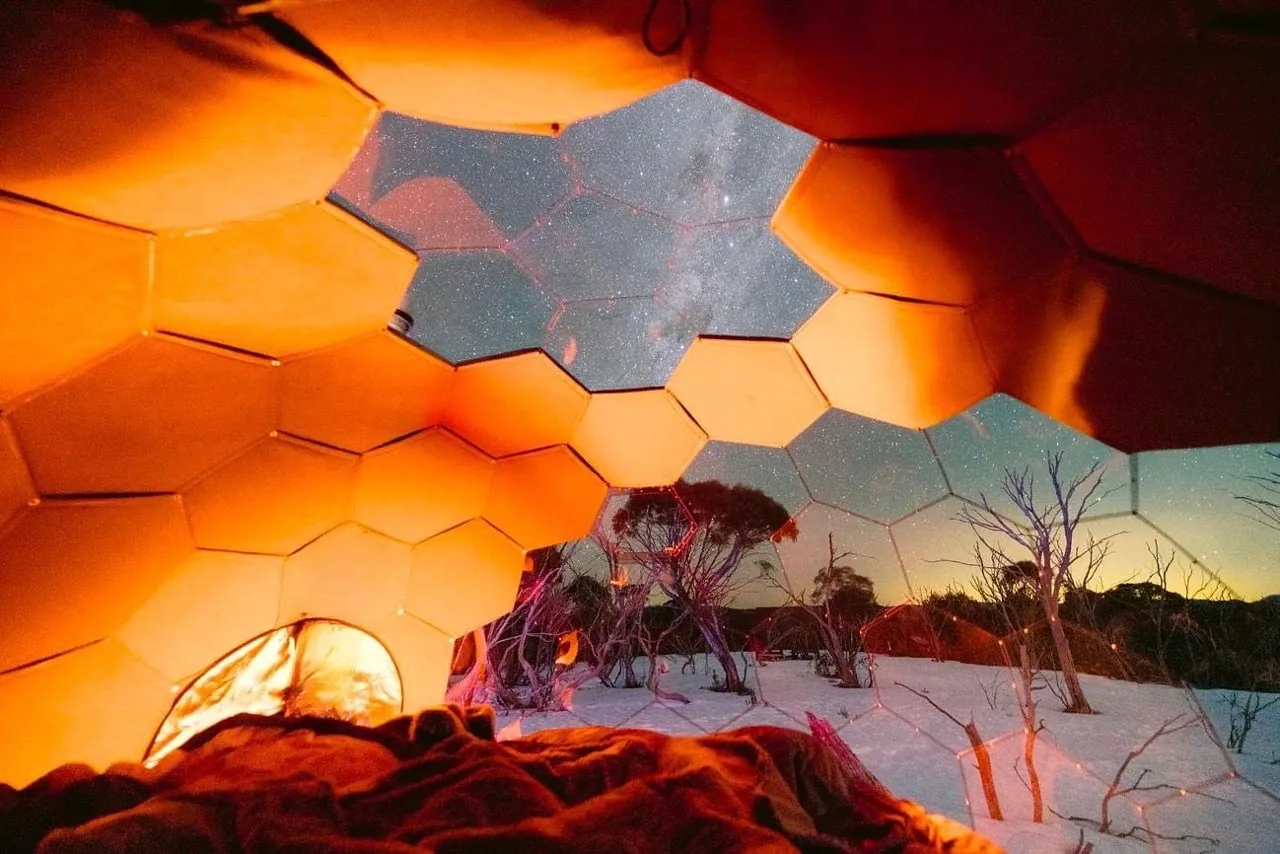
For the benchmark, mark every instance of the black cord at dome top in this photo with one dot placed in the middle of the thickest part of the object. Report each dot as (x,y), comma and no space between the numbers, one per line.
(686,17)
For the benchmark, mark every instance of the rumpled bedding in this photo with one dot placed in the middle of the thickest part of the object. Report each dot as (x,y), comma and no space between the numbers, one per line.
(440,782)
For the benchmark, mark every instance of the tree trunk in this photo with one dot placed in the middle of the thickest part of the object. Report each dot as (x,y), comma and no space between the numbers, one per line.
(1075,692)
(1029,742)
(848,670)
(713,634)
(983,757)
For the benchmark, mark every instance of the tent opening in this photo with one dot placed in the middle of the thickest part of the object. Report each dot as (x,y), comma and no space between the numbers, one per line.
(320,668)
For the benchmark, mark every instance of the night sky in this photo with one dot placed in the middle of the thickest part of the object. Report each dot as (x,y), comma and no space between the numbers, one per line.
(612,246)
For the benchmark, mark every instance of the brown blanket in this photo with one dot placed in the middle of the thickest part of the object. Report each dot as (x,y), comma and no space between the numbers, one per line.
(440,782)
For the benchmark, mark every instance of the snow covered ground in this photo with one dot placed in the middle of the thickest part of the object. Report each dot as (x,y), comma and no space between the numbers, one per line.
(1193,788)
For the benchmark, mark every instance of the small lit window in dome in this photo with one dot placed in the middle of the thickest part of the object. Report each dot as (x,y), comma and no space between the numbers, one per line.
(318,668)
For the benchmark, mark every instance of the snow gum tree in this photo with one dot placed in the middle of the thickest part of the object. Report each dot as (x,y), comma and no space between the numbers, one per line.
(1045,543)
(696,540)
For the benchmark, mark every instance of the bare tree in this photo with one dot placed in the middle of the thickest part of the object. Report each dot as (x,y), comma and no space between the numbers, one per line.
(1031,731)
(1264,503)
(695,540)
(1119,786)
(1064,558)
(840,604)
(520,657)
(980,754)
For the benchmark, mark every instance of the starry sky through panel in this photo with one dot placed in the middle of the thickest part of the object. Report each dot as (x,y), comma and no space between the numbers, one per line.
(614,245)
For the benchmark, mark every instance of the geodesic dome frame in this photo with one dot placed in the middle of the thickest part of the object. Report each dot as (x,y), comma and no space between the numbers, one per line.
(206,430)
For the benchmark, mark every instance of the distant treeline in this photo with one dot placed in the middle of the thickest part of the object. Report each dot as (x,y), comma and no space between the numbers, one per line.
(1137,631)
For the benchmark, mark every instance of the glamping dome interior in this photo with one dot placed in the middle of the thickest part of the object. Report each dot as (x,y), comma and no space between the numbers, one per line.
(324,317)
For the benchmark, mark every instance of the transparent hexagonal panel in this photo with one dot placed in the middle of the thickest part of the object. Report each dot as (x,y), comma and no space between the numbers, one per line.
(475,304)
(868,467)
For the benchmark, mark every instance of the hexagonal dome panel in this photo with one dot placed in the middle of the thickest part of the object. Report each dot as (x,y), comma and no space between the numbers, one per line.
(905,363)
(523,233)
(243,126)
(481,188)
(610,345)
(770,470)
(874,71)
(867,467)
(274,499)
(211,603)
(1201,114)
(737,278)
(1196,369)
(506,65)
(755,392)
(859,544)
(513,404)
(1194,497)
(99,705)
(544,497)
(122,550)
(465,577)
(653,155)
(474,305)
(292,281)
(595,247)
(74,288)
(148,419)
(422,485)
(318,580)
(364,394)
(638,438)
(944,227)
(1002,434)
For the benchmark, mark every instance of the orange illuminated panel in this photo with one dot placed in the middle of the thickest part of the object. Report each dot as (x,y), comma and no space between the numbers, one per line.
(363,394)
(1137,360)
(242,124)
(422,485)
(149,419)
(638,438)
(941,227)
(273,499)
(905,363)
(73,289)
(465,577)
(514,404)
(212,601)
(503,64)
(295,280)
(754,392)
(350,574)
(874,70)
(544,497)
(73,572)
(98,706)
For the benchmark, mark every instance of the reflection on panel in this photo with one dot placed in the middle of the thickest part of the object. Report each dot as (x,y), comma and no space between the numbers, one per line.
(769,470)
(618,344)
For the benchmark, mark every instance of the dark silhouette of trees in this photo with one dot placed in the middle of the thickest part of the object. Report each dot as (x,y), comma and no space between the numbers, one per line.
(1044,549)
(695,540)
